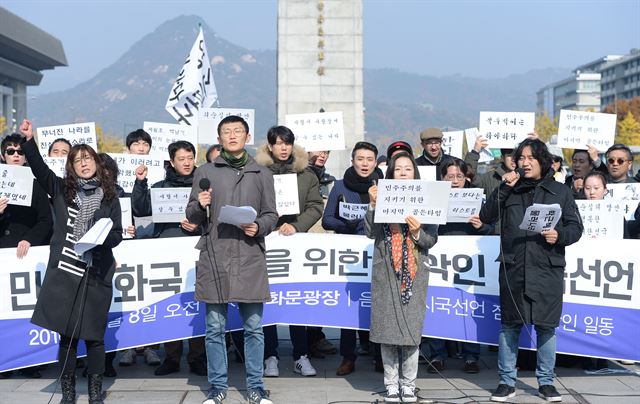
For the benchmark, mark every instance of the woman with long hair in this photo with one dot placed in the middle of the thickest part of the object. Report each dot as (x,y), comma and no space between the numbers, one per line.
(399,286)
(77,289)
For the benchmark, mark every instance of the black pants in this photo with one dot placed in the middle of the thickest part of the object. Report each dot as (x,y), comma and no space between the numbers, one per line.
(196,353)
(69,350)
(298,334)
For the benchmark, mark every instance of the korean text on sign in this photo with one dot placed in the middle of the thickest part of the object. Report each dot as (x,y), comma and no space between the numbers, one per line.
(319,131)
(77,133)
(504,130)
(428,201)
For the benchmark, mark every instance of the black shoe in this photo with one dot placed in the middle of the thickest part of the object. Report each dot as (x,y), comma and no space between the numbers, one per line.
(68,387)
(471,367)
(167,367)
(198,368)
(502,393)
(96,395)
(436,366)
(549,393)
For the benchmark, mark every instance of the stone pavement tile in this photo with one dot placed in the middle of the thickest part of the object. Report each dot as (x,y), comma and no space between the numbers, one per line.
(145,397)
(28,397)
(173,383)
(596,383)
(11,384)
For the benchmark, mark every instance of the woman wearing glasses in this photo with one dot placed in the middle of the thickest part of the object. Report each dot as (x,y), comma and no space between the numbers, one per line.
(76,292)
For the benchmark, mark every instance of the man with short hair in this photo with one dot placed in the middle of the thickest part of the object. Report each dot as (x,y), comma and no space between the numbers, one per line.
(138,142)
(619,163)
(317,162)
(59,148)
(433,155)
(232,266)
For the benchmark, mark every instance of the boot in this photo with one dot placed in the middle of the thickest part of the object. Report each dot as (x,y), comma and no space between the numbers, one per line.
(96,396)
(68,385)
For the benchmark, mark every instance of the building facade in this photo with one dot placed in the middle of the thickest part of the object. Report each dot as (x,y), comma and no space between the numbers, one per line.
(621,79)
(25,50)
(579,92)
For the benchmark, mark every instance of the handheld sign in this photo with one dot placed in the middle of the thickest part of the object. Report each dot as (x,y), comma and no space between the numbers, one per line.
(16,184)
(318,131)
(76,133)
(464,203)
(539,217)
(471,135)
(600,219)
(427,173)
(163,134)
(428,201)
(57,165)
(504,130)
(209,119)
(625,196)
(286,187)
(452,143)
(577,129)
(352,211)
(168,205)
(127,164)
(127,218)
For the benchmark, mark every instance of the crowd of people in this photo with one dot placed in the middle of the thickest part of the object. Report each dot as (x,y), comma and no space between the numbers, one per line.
(77,290)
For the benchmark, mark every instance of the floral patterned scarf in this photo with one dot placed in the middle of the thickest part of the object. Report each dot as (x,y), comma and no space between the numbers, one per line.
(404,256)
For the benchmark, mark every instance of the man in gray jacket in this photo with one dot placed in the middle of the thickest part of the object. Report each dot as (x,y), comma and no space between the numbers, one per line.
(232,265)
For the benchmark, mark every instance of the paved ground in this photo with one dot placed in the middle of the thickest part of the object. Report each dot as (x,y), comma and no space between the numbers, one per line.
(137,384)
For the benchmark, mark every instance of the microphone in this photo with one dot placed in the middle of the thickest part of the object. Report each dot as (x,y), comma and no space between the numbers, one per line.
(205,184)
(519,171)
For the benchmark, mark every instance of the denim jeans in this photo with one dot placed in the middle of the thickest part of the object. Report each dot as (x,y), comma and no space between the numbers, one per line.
(216,347)
(508,354)
(392,366)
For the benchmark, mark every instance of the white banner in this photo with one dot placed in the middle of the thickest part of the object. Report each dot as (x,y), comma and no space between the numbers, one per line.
(471,135)
(600,219)
(127,216)
(163,134)
(209,119)
(16,184)
(127,164)
(286,187)
(626,195)
(452,143)
(57,165)
(464,203)
(168,205)
(318,131)
(194,88)
(504,130)
(75,133)
(428,201)
(577,129)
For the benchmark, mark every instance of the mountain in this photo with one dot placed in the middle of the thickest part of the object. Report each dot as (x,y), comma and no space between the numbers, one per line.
(398,105)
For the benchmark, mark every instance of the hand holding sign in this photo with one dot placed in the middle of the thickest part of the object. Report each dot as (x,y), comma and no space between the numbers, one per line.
(414,225)
(550,236)
(373,195)
(26,129)
(4,202)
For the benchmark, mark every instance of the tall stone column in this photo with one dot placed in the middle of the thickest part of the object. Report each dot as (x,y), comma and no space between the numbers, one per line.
(320,65)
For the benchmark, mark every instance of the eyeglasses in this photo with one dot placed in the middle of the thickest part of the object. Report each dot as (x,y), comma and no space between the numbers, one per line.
(429,142)
(619,160)
(235,132)
(85,159)
(11,152)
(323,153)
(454,177)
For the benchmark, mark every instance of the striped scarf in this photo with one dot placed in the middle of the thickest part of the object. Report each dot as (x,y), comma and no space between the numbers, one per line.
(88,198)
(404,260)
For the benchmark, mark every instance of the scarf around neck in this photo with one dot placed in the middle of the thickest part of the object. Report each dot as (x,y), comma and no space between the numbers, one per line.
(404,257)
(176,180)
(235,162)
(359,184)
(88,199)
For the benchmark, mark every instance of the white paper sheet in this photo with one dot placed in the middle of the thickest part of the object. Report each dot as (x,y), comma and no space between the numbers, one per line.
(237,215)
(94,236)
(539,217)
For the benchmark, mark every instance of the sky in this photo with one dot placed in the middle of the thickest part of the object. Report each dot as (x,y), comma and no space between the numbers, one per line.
(478,38)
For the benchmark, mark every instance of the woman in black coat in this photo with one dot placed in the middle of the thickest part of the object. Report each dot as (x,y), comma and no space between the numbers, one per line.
(77,290)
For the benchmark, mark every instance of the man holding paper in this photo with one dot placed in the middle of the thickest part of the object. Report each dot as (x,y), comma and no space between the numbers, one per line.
(532,264)
(232,267)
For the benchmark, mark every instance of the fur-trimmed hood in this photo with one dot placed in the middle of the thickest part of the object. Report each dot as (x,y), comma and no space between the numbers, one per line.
(300,158)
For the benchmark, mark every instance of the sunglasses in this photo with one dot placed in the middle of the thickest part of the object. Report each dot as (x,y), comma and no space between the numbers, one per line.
(618,160)
(11,152)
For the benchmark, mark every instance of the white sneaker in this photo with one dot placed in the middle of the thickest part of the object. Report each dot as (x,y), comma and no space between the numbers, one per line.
(393,395)
(151,358)
(303,367)
(271,367)
(128,357)
(408,395)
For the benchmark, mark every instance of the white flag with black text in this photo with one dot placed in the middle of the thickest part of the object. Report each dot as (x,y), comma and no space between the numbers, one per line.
(194,88)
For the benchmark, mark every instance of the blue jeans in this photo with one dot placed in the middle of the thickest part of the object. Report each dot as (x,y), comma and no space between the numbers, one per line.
(216,347)
(508,354)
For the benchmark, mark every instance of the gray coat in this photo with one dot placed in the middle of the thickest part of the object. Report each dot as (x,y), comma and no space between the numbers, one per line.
(392,322)
(232,267)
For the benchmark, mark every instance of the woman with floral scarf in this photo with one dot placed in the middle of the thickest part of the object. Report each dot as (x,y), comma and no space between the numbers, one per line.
(399,287)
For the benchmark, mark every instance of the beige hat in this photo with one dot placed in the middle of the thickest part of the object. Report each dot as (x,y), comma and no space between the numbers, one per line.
(431,133)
